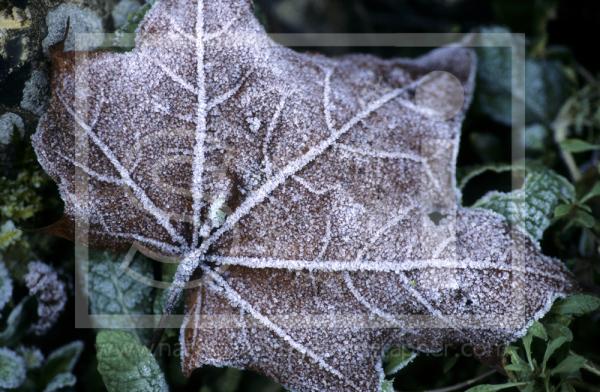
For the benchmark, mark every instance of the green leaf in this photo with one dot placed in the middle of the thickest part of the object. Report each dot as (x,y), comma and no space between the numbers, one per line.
(594,192)
(126,365)
(114,290)
(546,85)
(387,386)
(517,364)
(32,356)
(62,360)
(576,305)
(554,345)
(396,359)
(555,330)
(532,207)
(12,369)
(536,330)
(9,234)
(6,286)
(562,210)
(577,146)
(496,387)
(584,219)
(467,174)
(61,381)
(18,322)
(566,387)
(570,364)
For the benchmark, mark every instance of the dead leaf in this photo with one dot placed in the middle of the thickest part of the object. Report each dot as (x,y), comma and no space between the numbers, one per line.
(317,196)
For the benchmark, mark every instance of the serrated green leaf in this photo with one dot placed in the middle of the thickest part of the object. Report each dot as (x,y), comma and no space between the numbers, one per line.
(112,290)
(6,286)
(578,146)
(495,387)
(12,369)
(569,365)
(576,305)
(126,365)
(396,359)
(61,381)
(532,207)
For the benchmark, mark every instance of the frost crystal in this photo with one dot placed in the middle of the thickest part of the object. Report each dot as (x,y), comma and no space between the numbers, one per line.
(302,189)
(43,283)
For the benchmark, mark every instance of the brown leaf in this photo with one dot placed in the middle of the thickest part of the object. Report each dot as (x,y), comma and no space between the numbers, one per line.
(317,196)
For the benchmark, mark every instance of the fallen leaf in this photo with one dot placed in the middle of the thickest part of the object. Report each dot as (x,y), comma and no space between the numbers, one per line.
(316,196)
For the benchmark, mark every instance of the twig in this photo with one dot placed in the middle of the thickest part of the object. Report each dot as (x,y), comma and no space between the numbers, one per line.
(463,384)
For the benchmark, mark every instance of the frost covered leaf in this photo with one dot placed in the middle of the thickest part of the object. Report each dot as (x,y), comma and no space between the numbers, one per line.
(396,359)
(12,369)
(9,234)
(17,322)
(532,207)
(59,365)
(577,146)
(10,124)
(61,381)
(32,355)
(127,365)
(43,283)
(63,359)
(112,290)
(6,286)
(315,198)
(83,25)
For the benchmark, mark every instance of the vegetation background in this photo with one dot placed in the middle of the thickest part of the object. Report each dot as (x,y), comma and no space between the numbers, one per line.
(558,202)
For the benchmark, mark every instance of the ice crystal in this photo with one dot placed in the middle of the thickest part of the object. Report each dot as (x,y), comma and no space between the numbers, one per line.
(43,283)
(301,187)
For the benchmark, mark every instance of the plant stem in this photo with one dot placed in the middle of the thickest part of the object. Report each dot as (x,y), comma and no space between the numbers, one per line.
(592,368)
(464,384)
